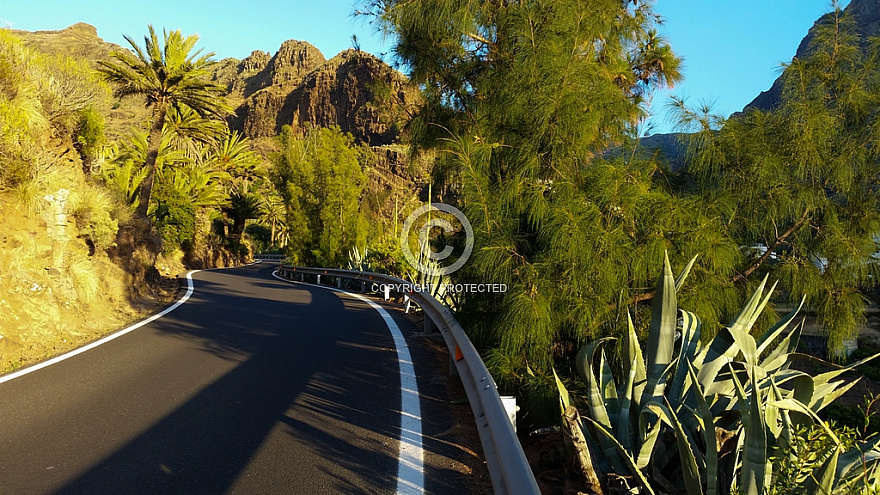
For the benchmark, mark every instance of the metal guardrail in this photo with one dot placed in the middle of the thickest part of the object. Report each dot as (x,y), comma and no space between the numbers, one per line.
(505,458)
(269,257)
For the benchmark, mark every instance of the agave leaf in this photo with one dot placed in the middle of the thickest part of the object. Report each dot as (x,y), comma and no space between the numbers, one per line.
(780,326)
(724,381)
(801,387)
(783,431)
(826,474)
(661,334)
(609,392)
(761,306)
(798,406)
(679,281)
(829,392)
(649,439)
(633,360)
(750,312)
(850,462)
(598,414)
(624,455)
(714,357)
(780,355)
(746,344)
(707,426)
(584,361)
(754,449)
(564,397)
(686,448)
(624,434)
(828,376)
(690,337)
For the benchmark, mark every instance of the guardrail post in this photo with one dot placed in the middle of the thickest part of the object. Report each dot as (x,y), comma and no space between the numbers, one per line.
(387,292)
(407,301)
(338,282)
(510,406)
(363,287)
(319,280)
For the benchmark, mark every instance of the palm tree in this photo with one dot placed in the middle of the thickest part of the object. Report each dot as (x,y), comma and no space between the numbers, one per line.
(232,153)
(243,206)
(274,212)
(167,76)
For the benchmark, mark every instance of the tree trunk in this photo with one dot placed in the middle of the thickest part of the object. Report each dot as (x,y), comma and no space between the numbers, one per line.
(154,141)
(572,424)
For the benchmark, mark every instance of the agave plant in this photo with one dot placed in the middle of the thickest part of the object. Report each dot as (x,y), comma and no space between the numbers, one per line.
(695,418)
(432,277)
(357,260)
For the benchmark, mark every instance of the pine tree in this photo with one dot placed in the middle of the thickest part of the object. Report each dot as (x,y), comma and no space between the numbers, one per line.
(523,99)
(799,183)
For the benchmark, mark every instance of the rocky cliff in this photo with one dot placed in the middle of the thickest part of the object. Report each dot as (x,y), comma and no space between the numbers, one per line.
(354,90)
(867,17)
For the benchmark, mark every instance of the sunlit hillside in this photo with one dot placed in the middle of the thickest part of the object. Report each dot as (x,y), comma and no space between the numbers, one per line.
(64,279)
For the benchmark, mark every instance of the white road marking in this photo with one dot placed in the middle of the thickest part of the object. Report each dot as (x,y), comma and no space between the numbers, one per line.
(62,357)
(410,464)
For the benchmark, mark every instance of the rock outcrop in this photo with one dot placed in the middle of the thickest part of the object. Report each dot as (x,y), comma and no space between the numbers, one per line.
(867,16)
(298,87)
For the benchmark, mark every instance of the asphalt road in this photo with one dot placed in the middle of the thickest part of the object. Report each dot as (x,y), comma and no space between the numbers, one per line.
(253,385)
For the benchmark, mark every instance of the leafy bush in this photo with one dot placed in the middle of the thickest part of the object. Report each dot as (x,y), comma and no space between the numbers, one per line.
(89,134)
(175,218)
(93,210)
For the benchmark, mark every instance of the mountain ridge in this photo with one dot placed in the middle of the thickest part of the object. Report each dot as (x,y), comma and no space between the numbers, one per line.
(867,17)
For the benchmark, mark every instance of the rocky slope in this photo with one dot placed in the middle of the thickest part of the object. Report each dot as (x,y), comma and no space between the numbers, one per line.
(867,16)
(298,86)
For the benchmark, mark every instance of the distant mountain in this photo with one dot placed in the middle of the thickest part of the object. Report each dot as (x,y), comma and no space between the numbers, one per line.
(298,86)
(867,17)
(669,146)
(354,90)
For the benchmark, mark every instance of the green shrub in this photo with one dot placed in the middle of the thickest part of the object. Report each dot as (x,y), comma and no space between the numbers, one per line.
(175,218)
(89,134)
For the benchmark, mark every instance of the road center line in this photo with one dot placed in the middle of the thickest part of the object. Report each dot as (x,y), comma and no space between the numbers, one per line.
(120,333)
(410,469)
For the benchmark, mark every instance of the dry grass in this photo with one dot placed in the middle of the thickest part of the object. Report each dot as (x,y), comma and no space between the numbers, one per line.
(47,308)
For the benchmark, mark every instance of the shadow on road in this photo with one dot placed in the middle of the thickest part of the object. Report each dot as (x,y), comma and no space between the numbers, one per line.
(305,382)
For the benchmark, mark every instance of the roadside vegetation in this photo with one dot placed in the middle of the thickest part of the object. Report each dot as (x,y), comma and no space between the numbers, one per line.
(529,122)
(534,111)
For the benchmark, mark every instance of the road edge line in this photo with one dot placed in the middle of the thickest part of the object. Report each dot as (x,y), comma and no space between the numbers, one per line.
(410,462)
(57,359)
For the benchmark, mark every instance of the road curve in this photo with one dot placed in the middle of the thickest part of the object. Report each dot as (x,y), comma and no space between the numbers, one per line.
(253,385)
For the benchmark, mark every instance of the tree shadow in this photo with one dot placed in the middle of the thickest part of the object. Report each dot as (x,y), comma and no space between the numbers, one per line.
(303,375)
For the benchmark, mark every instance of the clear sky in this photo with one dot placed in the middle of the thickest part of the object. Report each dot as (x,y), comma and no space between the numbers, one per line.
(731,49)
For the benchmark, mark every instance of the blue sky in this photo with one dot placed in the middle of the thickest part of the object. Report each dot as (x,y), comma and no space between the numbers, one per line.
(731,49)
